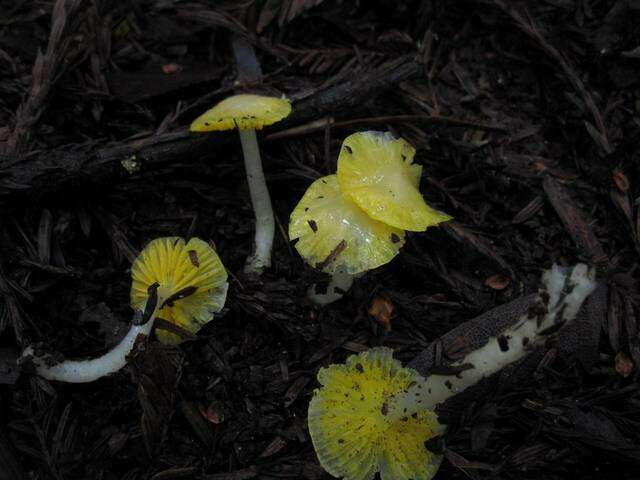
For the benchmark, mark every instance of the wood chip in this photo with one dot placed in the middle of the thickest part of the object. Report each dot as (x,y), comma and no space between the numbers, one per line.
(198,424)
(274,447)
(44,236)
(462,234)
(243,474)
(621,180)
(295,389)
(177,472)
(575,220)
(529,210)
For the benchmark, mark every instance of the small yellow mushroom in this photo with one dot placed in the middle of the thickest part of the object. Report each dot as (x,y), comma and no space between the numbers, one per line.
(377,172)
(371,415)
(249,113)
(244,112)
(192,281)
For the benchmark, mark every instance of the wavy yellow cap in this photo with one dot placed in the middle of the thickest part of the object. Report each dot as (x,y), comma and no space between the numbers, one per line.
(333,232)
(243,112)
(191,276)
(359,428)
(376,171)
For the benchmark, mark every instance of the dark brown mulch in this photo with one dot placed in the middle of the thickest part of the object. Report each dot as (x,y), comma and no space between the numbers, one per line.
(525,115)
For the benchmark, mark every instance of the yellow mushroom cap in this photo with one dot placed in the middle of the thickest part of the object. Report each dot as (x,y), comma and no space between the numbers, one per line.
(179,266)
(333,232)
(244,112)
(355,430)
(376,171)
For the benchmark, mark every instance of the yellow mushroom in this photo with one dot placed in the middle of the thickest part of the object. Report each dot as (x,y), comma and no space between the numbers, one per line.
(192,279)
(377,172)
(249,113)
(370,415)
(337,237)
(244,112)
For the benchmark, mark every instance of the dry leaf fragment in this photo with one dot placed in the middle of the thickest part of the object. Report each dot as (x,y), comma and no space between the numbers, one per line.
(498,281)
(624,364)
(170,68)
(381,309)
(213,413)
(621,180)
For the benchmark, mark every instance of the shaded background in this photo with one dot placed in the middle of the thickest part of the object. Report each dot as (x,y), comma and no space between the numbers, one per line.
(525,116)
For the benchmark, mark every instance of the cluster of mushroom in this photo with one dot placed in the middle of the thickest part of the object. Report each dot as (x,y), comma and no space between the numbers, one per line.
(371,415)
(185,283)
(355,220)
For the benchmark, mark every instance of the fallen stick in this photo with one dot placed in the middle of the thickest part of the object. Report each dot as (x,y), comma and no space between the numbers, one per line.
(82,166)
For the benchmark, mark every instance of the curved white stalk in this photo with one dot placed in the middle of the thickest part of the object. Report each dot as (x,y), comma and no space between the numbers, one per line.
(265,223)
(340,283)
(83,371)
(563,294)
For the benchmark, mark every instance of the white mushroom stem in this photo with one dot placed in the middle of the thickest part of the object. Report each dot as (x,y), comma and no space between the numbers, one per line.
(83,371)
(563,295)
(340,283)
(265,223)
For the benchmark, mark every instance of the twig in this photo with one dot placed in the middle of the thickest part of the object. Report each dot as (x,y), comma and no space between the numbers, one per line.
(87,165)
(321,124)
(47,68)
(352,93)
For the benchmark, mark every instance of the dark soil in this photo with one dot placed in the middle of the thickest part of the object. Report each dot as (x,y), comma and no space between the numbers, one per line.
(525,116)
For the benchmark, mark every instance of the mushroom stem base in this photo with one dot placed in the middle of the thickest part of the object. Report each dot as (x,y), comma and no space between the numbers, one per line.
(564,292)
(84,371)
(261,201)
(340,283)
